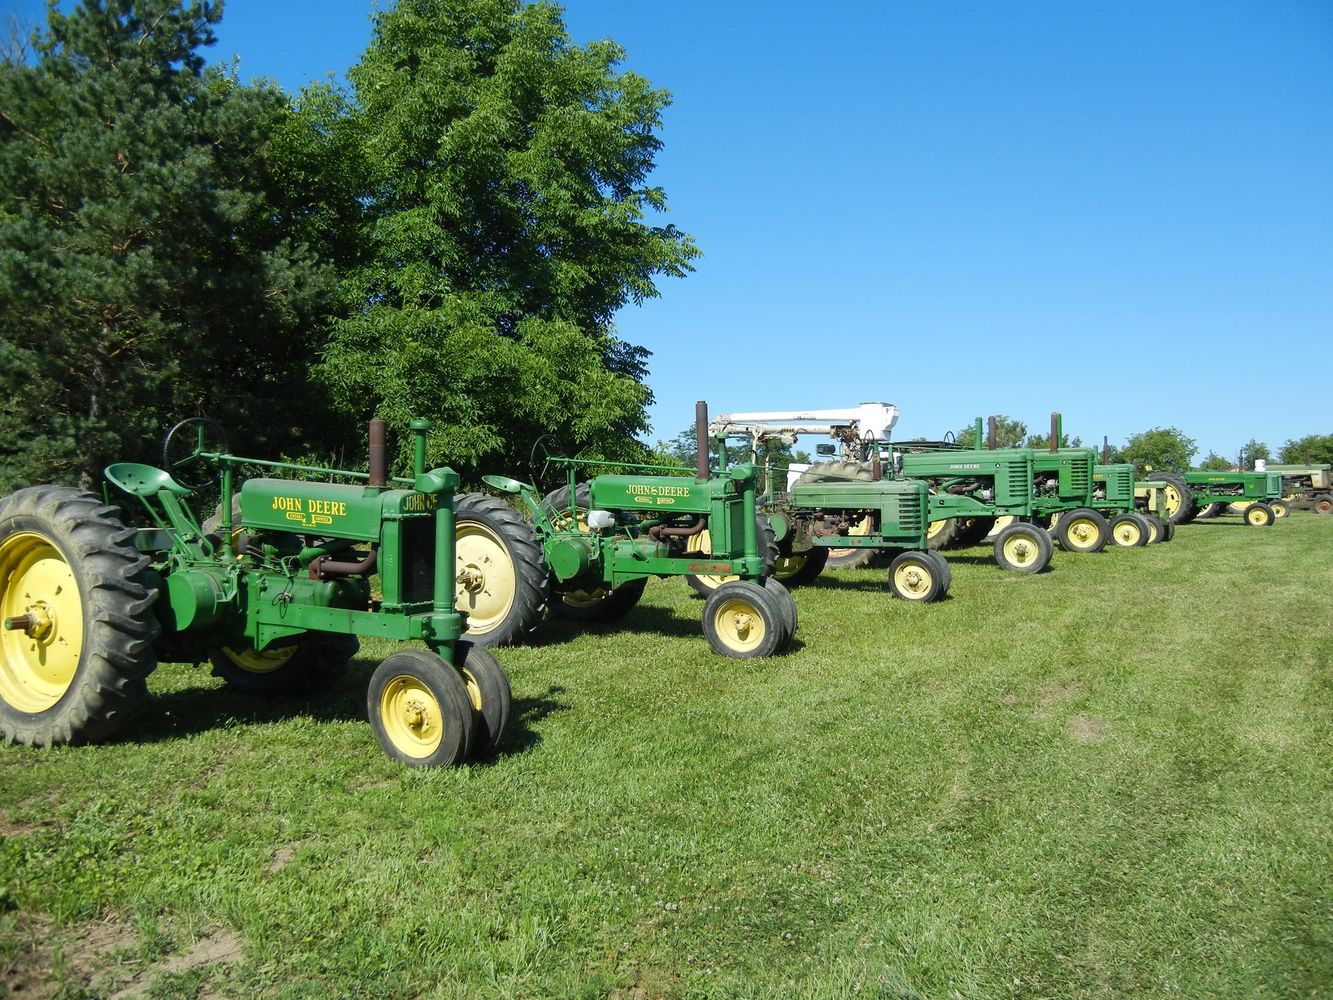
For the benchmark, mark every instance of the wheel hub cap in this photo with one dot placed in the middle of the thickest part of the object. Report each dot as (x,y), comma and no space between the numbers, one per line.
(42,615)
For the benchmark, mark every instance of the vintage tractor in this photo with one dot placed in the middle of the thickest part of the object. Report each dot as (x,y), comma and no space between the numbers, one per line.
(274,596)
(588,548)
(1255,496)
(844,507)
(1306,487)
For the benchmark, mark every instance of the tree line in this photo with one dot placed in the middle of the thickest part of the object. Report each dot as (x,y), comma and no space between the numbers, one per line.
(448,235)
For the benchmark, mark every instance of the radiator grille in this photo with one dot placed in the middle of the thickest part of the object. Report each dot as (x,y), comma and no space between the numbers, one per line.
(418,563)
(1119,484)
(912,512)
(736,522)
(1080,475)
(1018,480)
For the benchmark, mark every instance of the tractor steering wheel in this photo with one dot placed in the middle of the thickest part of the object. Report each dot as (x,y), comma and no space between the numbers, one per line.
(184,446)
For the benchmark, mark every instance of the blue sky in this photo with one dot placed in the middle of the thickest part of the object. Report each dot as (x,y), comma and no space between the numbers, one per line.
(1120,211)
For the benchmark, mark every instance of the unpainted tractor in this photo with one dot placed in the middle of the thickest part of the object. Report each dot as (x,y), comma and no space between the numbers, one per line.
(275,592)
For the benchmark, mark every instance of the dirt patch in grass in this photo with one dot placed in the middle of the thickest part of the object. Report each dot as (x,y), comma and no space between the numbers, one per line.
(1087,728)
(87,948)
(282,857)
(1049,699)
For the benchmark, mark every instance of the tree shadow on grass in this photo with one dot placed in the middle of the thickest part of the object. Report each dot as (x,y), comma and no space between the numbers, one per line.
(176,715)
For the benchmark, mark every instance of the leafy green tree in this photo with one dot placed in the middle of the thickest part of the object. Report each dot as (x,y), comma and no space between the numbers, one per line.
(1009,432)
(1040,441)
(150,266)
(1315,449)
(1163,449)
(1215,463)
(506,224)
(1255,451)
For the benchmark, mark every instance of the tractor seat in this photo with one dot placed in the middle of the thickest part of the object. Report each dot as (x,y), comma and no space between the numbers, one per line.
(142,480)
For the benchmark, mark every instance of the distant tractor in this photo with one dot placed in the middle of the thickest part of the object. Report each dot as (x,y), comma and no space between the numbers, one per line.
(1306,487)
(1256,496)
(275,595)
(588,548)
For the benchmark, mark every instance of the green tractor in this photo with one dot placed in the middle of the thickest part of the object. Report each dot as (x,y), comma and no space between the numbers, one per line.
(587,550)
(274,590)
(1255,496)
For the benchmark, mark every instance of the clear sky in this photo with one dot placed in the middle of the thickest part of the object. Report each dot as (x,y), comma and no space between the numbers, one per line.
(1120,211)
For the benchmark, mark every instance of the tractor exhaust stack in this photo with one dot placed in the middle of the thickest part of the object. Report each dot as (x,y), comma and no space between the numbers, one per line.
(1055,431)
(992,434)
(379,464)
(701,441)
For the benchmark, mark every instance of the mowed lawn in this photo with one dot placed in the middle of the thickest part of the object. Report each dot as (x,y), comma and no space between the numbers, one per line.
(1111,780)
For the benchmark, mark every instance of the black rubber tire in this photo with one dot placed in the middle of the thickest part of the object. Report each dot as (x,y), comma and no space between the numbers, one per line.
(1323,504)
(118,628)
(1157,529)
(1121,534)
(803,569)
(1073,520)
(457,732)
(1036,536)
(974,531)
(488,532)
(929,585)
(1168,531)
(315,662)
(1188,509)
(743,597)
(1264,518)
(1280,508)
(489,694)
(946,572)
(1209,510)
(766,541)
(786,604)
(844,471)
(947,536)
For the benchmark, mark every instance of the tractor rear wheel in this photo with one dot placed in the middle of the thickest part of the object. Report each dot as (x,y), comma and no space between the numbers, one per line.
(419,709)
(974,531)
(1180,506)
(743,620)
(846,471)
(488,692)
(307,665)
(501,581)
(1323,504)
(77,617)
(1024,547)
(798,570)
(1258,515)
(916,577)
(1210,510)
(1128,531)
(1082,530)
(765,540)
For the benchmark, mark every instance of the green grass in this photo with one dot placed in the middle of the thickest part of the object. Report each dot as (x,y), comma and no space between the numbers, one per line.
(1111,780)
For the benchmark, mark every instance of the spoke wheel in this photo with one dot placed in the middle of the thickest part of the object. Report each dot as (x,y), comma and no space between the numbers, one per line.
(76,621)
(420,710)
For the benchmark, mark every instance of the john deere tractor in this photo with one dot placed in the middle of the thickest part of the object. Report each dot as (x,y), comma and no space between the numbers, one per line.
(1255,496)
(588,548)
(275,595)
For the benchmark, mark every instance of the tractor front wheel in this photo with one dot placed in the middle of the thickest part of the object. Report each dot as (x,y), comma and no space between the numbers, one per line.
(1023,547)
(1128,531)
(488,692)
(916,577)
(1258,515)
(76,619)
(501,580)
(1280,508)
(1082,530)
(743,620)
(420,710)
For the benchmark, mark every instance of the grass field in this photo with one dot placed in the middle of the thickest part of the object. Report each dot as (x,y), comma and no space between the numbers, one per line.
(1112,780)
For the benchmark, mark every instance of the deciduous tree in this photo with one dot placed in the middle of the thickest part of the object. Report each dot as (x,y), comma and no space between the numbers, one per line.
(1163,449)
(1313,448)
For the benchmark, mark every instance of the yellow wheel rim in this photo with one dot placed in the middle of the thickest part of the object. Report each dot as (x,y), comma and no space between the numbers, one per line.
(703,543)
(1021,550)
(1082,533)
(473,687)
(1240,506)
(1279,508)
(589,598)
(39,599)
(1255,515)
(913,579)
(1127,533)
(411,716)
(1172,495)
(260,663)
(935,527)
(484,581)
(739,625)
